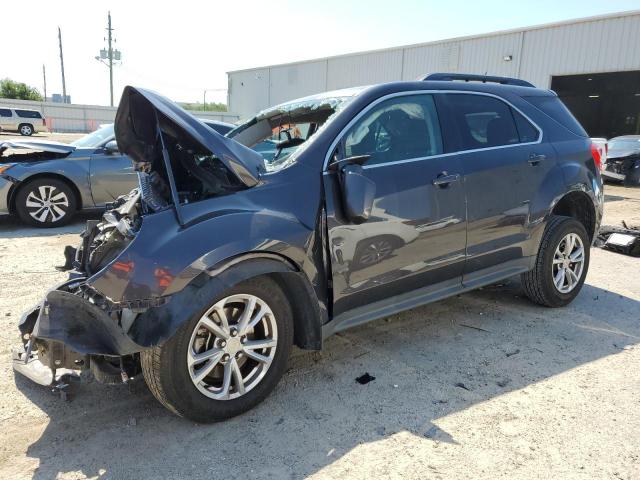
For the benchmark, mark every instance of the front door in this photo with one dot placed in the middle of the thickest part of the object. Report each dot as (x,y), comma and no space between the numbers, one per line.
(504,163)
(416,234)
(111,175)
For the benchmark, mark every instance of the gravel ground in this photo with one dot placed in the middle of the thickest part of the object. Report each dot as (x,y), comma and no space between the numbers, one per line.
(484,385)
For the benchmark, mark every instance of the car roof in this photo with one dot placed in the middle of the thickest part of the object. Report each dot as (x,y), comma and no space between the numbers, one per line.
(626,137)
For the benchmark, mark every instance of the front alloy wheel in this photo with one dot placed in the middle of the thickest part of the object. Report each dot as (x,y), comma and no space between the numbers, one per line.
(228,357)
(232,347)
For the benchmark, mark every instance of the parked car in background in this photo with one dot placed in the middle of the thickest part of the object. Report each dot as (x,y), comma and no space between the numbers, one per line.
(204,277)
(623,160)
(24,121)
(46,183)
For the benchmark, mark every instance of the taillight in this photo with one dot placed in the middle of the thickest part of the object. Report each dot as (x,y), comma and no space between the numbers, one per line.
(597,156)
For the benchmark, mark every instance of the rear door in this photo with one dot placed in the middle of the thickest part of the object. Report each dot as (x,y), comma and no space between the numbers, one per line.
(415,236)
(504,163)
(112,175)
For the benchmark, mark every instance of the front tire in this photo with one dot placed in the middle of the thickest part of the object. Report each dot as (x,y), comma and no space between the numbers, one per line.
(227,358)
(25,130)
(561,265)
(45,203)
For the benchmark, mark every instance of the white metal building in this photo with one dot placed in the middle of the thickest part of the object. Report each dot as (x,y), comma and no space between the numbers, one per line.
(593,63)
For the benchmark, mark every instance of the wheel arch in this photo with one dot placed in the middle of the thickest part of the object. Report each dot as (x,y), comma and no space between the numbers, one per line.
(13,192)
(158,324)
(578,204)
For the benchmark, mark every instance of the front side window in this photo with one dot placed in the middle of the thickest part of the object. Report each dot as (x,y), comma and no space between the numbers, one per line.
(485,121)
(28,114)
(5,112)
(400,128)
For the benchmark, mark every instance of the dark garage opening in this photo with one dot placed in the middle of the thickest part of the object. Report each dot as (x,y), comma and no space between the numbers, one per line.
(606,104)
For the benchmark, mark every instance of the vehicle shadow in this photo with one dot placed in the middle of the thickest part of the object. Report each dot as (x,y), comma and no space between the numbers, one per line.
(12,227)
(428,363)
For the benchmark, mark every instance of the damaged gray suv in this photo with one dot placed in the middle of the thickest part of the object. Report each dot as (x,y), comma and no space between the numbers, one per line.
(376,200)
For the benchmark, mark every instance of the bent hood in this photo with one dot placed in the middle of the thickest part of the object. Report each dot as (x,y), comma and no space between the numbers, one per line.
(136,133)
(41,145)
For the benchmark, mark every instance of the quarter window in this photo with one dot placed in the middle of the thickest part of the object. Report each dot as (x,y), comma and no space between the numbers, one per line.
(400,128)
(5,112)
(488,122)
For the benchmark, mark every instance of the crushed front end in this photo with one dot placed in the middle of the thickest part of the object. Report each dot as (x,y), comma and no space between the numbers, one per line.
(75,329)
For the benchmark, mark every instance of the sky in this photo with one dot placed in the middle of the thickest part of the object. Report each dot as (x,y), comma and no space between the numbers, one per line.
(182,48)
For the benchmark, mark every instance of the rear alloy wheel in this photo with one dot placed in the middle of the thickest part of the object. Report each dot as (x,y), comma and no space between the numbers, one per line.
(561,265)
(45,202)
(227,358)
(26,130)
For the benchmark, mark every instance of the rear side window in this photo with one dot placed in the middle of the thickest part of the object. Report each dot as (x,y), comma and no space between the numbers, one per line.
(400,128)
(28,114)
(552,106)
(482,121)
(5,112)
(526,131)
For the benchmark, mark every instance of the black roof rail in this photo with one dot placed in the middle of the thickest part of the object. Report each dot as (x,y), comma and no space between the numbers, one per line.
(465,77)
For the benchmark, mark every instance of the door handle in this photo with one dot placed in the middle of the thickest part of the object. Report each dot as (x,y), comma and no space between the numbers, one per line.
(444,179)
(535,159)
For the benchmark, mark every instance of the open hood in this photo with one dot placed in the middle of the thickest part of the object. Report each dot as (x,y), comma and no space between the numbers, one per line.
(136,126)
(40,145)
(617,154)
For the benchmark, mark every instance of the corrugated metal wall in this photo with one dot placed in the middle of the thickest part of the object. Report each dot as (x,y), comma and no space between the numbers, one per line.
(63,117)
(600,44)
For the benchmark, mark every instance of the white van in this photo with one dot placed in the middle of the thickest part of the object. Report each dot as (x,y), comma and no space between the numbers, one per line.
(22,120)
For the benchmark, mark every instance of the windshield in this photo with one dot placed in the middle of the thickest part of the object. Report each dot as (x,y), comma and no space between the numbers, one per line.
(97,138)
(622,145)
(281,132)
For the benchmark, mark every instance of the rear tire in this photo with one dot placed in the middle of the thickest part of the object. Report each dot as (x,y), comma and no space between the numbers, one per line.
(45,203)
(561,264)
(176,372)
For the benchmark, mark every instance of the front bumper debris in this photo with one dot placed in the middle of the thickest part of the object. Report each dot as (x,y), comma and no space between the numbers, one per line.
(31,367)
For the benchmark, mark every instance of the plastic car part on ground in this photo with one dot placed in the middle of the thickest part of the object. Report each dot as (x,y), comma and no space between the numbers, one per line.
(623,239)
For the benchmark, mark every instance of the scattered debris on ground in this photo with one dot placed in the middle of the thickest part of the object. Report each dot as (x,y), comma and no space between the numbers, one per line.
(625,239)
(364,379)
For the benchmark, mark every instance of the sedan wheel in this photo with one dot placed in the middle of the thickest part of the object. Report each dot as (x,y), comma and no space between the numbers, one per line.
(45,202)
(232,347)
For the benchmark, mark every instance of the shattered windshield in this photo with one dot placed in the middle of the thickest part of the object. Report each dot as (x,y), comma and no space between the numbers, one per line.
(97,138)
(281,132)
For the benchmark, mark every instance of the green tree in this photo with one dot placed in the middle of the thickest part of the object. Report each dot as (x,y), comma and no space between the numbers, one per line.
(21,91)
(211,106)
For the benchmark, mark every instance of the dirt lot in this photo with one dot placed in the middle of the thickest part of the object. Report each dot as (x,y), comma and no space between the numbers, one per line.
(485,385)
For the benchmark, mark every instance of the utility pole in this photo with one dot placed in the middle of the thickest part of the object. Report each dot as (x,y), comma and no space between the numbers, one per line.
(109,30)
(44,78)
(108,55)
(64,85)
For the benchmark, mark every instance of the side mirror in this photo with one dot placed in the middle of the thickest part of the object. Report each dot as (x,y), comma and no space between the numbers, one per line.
(111,147)
(358,193)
